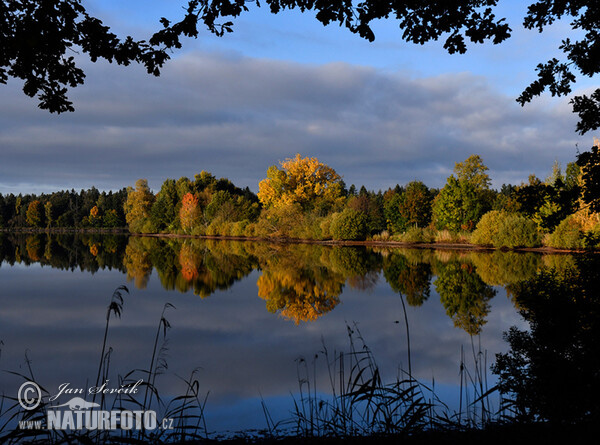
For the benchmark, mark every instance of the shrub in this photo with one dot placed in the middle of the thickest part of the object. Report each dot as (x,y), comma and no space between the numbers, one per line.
(280,222)
(308,227)
(198,230)
(517,231)
(349,225)
(325,226)
(446,236)
(568,235)
(238,228)
(487,228)
(383,236)
(418,235)
(502,229)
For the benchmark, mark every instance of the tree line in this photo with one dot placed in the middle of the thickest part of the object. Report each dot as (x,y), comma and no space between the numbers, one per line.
(305,199)
(65,209)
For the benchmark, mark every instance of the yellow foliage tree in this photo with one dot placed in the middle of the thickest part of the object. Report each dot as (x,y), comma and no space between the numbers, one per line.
(137,206)
(301,180)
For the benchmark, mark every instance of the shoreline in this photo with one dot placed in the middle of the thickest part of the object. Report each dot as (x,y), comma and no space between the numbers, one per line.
(366,243)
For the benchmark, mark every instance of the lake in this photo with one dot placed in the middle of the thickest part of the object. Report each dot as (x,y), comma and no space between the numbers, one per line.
(251,321)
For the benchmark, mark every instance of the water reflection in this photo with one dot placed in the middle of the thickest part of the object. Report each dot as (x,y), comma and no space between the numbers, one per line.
(552,370)
(449,296)
(85,252)
(300,282)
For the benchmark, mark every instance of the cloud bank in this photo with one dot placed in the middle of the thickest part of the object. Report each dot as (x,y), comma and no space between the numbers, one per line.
(235,116)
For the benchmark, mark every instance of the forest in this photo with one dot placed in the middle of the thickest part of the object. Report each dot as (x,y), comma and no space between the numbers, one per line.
(308,200)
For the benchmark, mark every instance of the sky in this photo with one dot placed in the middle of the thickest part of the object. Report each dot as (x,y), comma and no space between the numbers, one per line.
(380,113)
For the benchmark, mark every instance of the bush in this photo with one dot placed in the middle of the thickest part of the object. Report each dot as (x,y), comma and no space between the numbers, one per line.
(446,236)
(199,230)
(502,229)
(487,228)
(238,228)
(326,226)
(517,231)
(568,235)
(383,236)
(349,225)
(418,235)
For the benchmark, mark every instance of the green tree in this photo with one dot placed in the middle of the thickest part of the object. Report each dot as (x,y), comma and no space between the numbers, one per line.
(464,198)
(163,213)
(408,278)
(371,205)
(111,219)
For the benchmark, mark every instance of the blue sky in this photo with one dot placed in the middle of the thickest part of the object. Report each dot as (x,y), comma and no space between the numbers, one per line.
(380,113)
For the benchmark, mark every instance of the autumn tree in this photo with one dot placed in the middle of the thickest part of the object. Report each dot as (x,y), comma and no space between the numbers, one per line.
(416,205)
(305,181)
(137,261)
(137,207)
(298,285)
(35,214)
(189,213)
(94,218)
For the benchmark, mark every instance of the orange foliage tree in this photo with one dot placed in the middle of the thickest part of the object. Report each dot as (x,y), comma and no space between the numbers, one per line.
(189,212)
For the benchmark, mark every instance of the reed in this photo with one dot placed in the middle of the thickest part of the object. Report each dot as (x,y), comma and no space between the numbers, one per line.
(186,410)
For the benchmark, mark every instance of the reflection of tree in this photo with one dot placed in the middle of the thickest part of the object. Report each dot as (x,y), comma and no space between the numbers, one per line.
(297,284)
(34,247)
(410,279)
(137,261)
(501,268)
(464,295)
(63,251)
(360,266)
(203,266)
(189,261)
(212,265)
(552,372)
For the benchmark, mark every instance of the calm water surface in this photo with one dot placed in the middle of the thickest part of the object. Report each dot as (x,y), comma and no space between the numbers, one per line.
(245,313)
